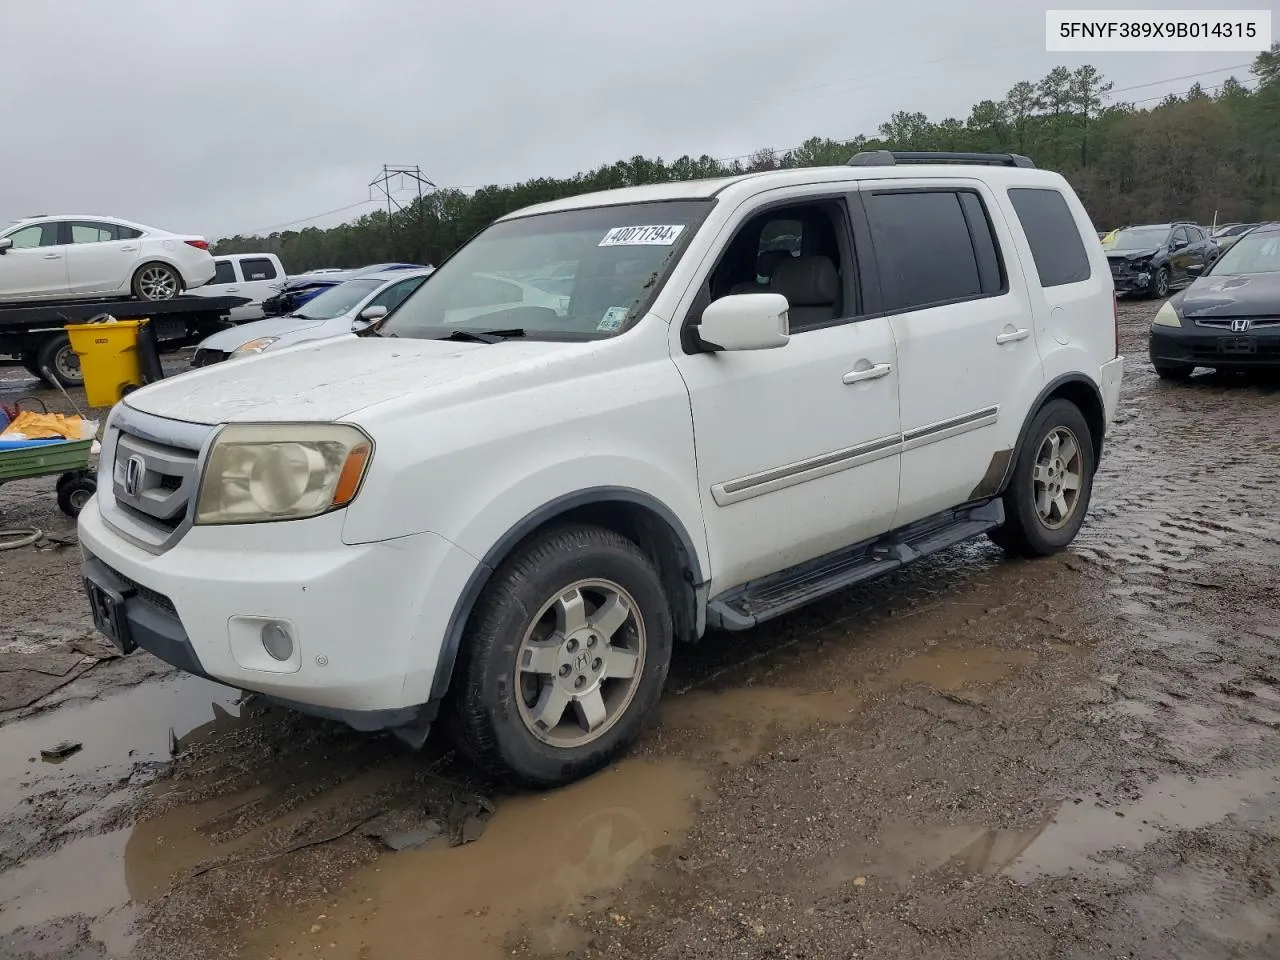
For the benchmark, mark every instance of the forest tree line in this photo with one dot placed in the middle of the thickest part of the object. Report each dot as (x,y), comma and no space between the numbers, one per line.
(1189,157)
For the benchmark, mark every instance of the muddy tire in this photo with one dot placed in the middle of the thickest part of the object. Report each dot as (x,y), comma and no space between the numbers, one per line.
(1048,495)
(56,355)
(563,660)
(74,494)
(1176,372)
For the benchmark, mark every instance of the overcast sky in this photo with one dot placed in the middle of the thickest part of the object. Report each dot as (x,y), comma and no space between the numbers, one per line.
(227,116)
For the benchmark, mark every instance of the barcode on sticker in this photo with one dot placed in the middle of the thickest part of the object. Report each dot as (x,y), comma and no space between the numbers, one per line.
(658,235)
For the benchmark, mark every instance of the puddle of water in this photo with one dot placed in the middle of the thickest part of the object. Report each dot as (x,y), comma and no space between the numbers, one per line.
(1080,831)
(738,721)
(952,670)
(82,877)
(117,730)
(540,858)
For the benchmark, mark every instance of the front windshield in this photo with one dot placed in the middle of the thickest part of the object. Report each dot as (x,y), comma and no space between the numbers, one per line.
(1137,238)
(575,274)
(338,300)
(1250,254)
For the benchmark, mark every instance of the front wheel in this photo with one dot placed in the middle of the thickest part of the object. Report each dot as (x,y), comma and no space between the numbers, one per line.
(1160,284)
(156,281)
(1052,482)
(564,658)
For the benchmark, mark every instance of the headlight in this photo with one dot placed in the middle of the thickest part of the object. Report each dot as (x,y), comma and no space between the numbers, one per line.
(1166,316)
(253,346)
(258,472)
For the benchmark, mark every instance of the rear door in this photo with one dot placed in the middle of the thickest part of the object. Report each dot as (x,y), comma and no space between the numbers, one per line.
(259,277)
(99,261)
(35,267)
(968,361)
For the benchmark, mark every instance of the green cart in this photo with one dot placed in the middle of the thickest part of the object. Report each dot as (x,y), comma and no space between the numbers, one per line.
(68,460)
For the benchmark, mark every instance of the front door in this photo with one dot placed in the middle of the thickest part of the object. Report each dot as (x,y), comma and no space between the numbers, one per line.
(35,267)
(967,355)
(797,446)
(98,261)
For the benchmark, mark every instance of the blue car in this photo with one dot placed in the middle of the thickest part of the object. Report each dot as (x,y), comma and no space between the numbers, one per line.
(298,290)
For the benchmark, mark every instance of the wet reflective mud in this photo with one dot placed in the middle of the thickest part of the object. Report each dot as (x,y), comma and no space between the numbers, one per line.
(978,758)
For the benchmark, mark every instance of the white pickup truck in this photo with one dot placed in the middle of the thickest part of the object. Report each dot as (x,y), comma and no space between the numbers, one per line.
(760,390)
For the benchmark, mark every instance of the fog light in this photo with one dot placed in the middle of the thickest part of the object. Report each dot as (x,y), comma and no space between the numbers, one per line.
(276,640)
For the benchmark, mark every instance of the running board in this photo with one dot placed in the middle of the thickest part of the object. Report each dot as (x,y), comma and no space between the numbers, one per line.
(744,607)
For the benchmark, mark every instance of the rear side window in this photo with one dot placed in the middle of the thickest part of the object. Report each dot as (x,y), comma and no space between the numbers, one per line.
(223,272)
(1052,235)
(127,233)
(257,268)
(932,247)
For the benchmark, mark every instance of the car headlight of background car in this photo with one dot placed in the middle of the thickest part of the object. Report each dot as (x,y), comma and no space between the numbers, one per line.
(259,472)
(1167,316)
(253,346)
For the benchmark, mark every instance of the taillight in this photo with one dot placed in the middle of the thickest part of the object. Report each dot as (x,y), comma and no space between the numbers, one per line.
(1115,312)
(198,244)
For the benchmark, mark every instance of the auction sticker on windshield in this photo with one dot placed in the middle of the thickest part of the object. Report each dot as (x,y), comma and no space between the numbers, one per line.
(657,236)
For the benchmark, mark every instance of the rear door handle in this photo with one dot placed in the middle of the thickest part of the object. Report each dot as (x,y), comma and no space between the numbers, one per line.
(128,249)
(871,373)
(53,256)
(1011,337)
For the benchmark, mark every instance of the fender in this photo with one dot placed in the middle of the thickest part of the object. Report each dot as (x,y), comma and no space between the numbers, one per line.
(494,556)
(1049,389)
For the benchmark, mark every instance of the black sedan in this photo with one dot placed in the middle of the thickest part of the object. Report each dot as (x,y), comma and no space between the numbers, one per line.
(1228,320)
(1151,260)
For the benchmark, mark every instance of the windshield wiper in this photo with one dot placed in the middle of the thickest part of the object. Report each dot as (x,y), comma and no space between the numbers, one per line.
(484,336)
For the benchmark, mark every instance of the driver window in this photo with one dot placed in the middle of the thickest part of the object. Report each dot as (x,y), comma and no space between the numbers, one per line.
(798,251)
(1180,236)
(395,295)
(37,235)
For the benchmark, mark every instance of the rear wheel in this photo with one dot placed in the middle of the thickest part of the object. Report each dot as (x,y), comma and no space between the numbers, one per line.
(56,355)
(74,493)
(1052,482)
(564,658)
(156,281)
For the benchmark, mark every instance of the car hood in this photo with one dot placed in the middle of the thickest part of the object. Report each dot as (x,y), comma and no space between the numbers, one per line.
(1132,254)
(331,379)
(228,340)
(1247,295)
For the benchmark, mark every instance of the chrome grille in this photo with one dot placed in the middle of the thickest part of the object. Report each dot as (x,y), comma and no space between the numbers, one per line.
(1224,323)
(153,479)
(148,476)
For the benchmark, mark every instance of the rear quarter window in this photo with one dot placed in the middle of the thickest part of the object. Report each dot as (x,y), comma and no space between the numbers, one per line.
(1052,234)
(257,268)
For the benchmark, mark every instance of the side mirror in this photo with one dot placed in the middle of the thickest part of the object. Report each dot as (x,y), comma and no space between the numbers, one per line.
(371,315)
(1179,244)
(744,321)
(5,244)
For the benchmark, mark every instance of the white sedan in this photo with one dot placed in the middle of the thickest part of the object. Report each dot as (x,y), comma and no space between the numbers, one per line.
(66,258)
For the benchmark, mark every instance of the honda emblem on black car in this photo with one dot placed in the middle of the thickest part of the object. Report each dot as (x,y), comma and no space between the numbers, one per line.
(1240,325)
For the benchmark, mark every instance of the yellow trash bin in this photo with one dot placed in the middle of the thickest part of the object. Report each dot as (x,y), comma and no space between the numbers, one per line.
(109,359)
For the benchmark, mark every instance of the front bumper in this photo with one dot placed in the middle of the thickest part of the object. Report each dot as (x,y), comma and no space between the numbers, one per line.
(1133,280)
(367,620)
(1192,345)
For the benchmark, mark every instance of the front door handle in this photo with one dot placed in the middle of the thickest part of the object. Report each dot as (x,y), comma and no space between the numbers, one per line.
(1013,336)
(871,373)
(53,256)
(128,249)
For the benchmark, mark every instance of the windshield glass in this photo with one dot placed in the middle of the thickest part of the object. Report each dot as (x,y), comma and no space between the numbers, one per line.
(1250,254)
(338,300)
(575,274)
(1137,238)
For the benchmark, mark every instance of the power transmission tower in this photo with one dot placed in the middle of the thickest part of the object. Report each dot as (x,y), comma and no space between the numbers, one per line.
(383,184)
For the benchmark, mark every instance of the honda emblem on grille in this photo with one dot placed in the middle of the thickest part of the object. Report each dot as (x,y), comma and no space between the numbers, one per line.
(1241,325)
(134,469)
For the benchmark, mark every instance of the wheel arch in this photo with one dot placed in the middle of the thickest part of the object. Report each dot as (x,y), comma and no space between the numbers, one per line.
(1087,397)
(152,259)
(634,514)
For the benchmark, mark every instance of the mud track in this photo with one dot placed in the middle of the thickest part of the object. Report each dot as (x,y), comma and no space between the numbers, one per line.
(978,758)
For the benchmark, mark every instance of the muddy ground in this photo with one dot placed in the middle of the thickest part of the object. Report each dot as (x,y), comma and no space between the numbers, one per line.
(978,758)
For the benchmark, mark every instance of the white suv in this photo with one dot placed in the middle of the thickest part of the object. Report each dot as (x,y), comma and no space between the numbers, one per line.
(760,390)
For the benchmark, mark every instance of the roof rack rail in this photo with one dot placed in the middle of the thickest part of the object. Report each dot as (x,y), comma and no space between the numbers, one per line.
(889,158)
